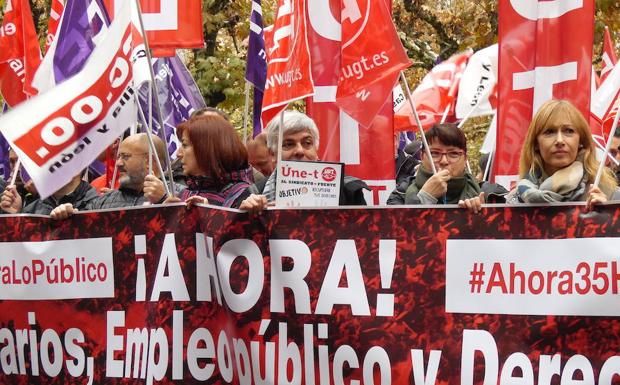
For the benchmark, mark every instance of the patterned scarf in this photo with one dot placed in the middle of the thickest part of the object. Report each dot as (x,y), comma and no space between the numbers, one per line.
(565,185)
(220,192)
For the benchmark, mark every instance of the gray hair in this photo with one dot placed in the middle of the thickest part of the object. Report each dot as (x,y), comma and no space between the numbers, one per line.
(294,122)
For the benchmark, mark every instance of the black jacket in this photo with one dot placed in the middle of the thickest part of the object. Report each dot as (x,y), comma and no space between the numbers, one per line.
(79,198)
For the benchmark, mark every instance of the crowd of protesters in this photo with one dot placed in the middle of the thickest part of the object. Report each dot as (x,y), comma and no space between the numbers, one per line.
(213,166)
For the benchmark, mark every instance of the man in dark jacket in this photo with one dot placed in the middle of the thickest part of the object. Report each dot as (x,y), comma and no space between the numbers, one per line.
(300,142)
(132,165)
(77,193)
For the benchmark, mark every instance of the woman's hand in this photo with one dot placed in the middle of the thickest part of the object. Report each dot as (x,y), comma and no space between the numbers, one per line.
(474,205)
(437,185)
(189,202)
(595,196)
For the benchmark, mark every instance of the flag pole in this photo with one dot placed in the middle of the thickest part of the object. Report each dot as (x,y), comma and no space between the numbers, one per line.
(149,127)
(160,119)
(115,172)
(601,165)
(15,170)
(418,122)
(475,107)
(152,150)
(280,140)
(246,112)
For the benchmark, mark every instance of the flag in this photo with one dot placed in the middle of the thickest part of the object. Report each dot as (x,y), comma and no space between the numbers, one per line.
(434,95)
(58,133)
(256,68)
(288,59)
(82,26)
(56,11)
(169,24)
(20,54)
(545,52)
(178,97)
(609,55)
(372,58)
(478,85)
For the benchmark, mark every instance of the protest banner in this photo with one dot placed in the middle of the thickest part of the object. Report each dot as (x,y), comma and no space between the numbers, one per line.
(166,295)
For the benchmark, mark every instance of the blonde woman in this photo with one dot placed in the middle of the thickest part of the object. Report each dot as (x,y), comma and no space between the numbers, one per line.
(558,160)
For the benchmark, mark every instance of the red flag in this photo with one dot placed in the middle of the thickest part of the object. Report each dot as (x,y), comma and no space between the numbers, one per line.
(372,58)
(434,95)
(20,55)
(58,6)
(366,151)
(545,52)
(169,24)
(609,55)
(288,59)
(609,119)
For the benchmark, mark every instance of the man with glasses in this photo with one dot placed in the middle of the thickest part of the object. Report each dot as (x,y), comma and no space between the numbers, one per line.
(132,165)
(451,184)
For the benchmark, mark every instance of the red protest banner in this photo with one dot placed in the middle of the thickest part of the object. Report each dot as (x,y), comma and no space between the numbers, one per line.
(169,24)
(168,295)
(288,59)
(545,51)
(20,55)
(366,151)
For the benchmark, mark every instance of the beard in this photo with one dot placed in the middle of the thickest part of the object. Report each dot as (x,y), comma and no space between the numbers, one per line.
(132,180)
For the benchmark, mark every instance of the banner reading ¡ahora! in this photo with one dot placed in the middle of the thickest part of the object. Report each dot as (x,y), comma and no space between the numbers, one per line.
(209,295)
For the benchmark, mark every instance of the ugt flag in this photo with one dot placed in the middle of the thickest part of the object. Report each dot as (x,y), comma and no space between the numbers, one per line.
(545,52)
(288,60)
(60,132)
(371,60)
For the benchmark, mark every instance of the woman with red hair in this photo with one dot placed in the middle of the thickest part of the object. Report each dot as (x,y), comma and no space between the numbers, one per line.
(214,161)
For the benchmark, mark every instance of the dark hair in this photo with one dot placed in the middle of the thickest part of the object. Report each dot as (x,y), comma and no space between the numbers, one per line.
(617,133)
(448,134)
(206,111)
(217,147)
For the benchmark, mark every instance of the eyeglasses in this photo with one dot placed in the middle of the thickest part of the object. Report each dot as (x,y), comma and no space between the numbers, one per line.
(125,157)
(452,156)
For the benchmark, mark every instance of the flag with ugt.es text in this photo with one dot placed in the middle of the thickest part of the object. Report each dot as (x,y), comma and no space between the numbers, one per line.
(371,60)
(20,53)
(545,52)
(434,95)
(169,24)
(60,132)
(288,59)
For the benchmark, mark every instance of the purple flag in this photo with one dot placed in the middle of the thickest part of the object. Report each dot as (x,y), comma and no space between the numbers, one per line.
(83,22)
(179,96)
(256,68)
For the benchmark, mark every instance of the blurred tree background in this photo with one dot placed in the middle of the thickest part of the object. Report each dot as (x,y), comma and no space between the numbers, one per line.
(431,31)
